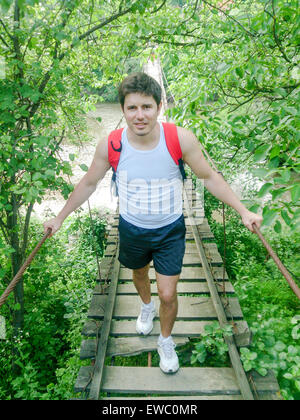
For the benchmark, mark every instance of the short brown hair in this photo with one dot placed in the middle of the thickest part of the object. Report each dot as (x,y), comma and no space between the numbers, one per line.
(139,83)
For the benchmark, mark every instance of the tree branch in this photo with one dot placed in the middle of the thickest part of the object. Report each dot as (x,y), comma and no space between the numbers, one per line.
(6,30)
(186,44)
(4,42)
(276,37)
(160,7)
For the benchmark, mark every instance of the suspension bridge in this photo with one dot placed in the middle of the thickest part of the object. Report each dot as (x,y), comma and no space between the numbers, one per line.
(206,298)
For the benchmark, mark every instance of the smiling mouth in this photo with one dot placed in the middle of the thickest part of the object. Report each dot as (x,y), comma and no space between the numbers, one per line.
(140,125)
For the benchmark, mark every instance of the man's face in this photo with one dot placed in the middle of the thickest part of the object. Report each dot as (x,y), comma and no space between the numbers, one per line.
(141,113)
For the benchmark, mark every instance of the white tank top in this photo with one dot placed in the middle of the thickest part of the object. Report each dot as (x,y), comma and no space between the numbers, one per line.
(149,185)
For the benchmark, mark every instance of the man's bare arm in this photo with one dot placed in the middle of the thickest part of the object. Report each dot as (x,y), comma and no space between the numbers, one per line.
(84,188)
(213,181)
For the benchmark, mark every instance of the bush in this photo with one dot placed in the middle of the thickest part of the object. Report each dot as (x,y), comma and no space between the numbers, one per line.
(268,304)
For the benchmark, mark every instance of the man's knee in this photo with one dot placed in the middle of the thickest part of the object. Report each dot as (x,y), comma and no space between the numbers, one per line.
(167,288)
(167,296)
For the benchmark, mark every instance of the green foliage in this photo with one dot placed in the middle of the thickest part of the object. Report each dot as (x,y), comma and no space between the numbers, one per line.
(58,287)
(273,350)
(268,304)
(212,345)
(235,77)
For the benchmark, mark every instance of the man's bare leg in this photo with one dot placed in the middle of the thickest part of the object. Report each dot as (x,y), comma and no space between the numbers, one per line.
(167,291)
(144,323)
(142,283)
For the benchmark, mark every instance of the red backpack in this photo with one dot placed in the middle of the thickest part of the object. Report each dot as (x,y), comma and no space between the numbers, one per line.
(172,142)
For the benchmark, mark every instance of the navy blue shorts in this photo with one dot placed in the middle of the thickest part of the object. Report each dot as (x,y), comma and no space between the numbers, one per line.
(165,245)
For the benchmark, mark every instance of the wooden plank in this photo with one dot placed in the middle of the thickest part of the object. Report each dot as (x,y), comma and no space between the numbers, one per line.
(192,247)
(126,346)
(186,381)
(187,273)
(266,386)
(182,397)
(191,259)
(189,308)
(182,288)
(191,329)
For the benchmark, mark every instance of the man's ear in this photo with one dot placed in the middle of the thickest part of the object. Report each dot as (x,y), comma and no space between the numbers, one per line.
(159,107)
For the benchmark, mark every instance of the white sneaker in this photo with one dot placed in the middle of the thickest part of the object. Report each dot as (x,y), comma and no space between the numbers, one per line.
(168,358)
(144,323)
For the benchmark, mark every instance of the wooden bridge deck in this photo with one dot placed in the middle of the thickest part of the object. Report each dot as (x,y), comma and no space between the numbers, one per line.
(196,310)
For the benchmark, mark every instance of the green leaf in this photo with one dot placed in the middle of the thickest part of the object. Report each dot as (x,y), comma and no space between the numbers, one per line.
(264,189)
(296,332)
(5,5)
(254,208)
(261,152)
(239,71)
(262,371)
(286,217)
(295,193)
(36,176)
(286,175)
(279,346)
(50,173)
(274,163)
(268,216)
(295,319)
(275,119)
(222,68)
(275,151)
(84,167)
(277,193)
(252,356)
(247,365)
(280,91)
(277,227)
(260,172)
(60,36)
(16,306)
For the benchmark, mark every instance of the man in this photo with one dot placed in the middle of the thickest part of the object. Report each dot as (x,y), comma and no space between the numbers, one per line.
(149,183)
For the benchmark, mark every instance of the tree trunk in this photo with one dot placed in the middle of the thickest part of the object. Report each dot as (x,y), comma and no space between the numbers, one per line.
(16,262)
